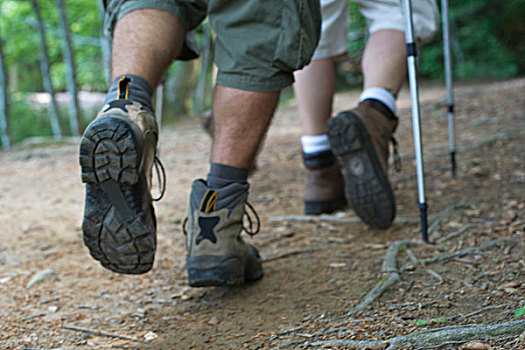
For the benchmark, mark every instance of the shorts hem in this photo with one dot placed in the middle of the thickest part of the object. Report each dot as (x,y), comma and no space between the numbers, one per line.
(256,84)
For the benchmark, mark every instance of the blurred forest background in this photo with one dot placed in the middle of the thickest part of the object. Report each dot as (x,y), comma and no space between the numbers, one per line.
(53,49)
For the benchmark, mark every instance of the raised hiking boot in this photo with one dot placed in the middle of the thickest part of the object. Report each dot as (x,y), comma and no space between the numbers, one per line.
(217,255)
(324,192)
(360,140)
(117,153)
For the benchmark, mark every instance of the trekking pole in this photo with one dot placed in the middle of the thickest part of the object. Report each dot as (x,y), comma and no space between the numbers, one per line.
(414,96)
(450,88)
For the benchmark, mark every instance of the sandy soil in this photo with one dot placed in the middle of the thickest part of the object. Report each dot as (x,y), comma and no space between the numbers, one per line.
(328,266)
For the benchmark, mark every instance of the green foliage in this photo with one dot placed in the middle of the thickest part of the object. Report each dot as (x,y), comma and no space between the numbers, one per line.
(421,323)
(519,312)
(481,45)
(34,122)
(487,40)
(21,43)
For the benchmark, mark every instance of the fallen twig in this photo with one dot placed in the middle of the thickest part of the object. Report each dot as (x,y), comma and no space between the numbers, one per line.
(27,318)
(454,234)
(332,219)
(290,253)
(459,253)
(391,278)
(100,333)
(431,337)
(502,136)
(474,313)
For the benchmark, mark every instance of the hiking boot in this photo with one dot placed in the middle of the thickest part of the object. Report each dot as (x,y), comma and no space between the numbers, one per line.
(216,253)
(117,153)
(324,191)
(360,140)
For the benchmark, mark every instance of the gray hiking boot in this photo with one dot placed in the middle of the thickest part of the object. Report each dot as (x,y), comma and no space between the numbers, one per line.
(360,139)
(324,192)
(216,253)
(117,153)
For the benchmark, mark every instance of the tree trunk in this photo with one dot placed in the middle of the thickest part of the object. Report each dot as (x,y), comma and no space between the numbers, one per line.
(69,60)
(179,88)
(46,75)
(201,92)
(4,106)
(105,45)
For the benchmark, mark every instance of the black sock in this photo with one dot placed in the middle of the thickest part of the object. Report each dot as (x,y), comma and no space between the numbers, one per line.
(221,175)
(130,87)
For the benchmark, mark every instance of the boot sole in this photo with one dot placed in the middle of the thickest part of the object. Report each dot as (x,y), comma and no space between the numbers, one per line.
(119,233)
(226,270)
(366,185)
(325,206)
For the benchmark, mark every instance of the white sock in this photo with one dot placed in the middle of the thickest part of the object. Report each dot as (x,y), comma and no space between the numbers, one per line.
(315,143)
(379,94)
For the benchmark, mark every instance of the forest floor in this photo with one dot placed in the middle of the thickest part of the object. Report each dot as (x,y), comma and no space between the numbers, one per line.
(317,270)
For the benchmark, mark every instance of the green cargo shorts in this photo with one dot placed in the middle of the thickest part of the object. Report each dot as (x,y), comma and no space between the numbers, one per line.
(259,43)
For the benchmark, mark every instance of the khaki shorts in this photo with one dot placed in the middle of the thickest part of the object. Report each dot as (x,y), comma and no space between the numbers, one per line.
(379,15)
(259,43)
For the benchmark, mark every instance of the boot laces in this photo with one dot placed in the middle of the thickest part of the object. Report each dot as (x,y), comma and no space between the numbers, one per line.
(161,178)
(249,230)
(251,222)
(397,158)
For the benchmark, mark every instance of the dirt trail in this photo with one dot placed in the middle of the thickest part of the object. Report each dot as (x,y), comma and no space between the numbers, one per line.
(331,265)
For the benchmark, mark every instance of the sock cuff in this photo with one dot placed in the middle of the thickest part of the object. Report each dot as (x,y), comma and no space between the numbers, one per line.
(380,94)
(221,175)
(130,87)
(314,143)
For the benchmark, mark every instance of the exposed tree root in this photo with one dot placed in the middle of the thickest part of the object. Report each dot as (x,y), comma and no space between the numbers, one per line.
(457,334)
(391,278)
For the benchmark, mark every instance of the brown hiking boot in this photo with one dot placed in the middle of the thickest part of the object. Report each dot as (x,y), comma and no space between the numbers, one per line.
(324,191)
(360,140)
(117,153)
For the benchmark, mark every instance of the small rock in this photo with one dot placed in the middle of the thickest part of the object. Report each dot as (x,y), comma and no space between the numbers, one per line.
(39,277)
(52,308)
(150,336)
(476,345)
(6,277)
(214,321)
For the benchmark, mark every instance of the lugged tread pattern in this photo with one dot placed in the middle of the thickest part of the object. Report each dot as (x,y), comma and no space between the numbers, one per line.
(110,150)
(366,185)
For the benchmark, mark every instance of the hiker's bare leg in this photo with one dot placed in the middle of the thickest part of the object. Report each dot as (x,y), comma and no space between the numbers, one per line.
(384,61)
(145,42)
(241,120)
(314,90)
